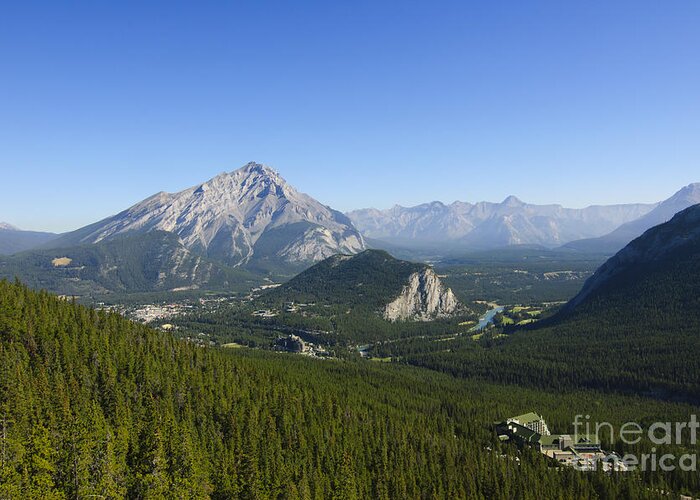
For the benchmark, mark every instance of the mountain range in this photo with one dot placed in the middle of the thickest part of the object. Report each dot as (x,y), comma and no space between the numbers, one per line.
(485,225)
(253,219)
(664,211)
(632,328)
(488,225)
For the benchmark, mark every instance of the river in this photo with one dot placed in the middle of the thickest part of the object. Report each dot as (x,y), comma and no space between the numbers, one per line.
(487,318)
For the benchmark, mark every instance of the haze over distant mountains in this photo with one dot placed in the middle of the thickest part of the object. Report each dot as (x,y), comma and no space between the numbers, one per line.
(14,240)
(664,211)
(484,225)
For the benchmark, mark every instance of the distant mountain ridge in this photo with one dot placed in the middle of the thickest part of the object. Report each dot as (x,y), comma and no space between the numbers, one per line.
(669,244)
(249,216)
(13,240)
(664,211)
(488,225)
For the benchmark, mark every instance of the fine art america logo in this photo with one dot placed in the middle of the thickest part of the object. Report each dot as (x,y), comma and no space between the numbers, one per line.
(661,434)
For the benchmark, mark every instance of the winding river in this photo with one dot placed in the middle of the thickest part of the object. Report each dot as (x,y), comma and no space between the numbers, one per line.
(487,318)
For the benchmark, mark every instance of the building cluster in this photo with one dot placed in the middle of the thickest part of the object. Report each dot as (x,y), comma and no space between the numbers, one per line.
(295,344)
(581,451)
(289,307)
(148,313)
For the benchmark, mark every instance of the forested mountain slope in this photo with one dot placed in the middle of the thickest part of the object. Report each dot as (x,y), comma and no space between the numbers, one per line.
(94,405)
(154,261)
(372,281)
(669,251)
(373,277)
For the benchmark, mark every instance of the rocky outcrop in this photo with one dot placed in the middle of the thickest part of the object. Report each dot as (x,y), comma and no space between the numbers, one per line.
(424,298)
(368,283)
(291,343)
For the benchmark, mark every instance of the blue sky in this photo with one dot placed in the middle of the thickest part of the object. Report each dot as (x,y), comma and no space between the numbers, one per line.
(356,103)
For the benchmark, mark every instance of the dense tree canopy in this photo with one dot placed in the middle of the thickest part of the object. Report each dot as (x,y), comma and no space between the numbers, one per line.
(92,404)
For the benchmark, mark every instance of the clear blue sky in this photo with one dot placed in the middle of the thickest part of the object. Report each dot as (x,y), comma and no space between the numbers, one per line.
(356,103)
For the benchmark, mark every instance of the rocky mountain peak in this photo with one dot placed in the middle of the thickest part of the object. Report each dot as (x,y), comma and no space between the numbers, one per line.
(259,173)
(236,216)
(259,168)
(250,177)
(690,194)
(7,227)
(512,201)
(436,205)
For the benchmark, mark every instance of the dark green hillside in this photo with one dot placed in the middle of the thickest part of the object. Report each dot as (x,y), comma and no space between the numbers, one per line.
(149,262)
(336,303)
(635,327)
(372,278)
(669,252)
(93,405)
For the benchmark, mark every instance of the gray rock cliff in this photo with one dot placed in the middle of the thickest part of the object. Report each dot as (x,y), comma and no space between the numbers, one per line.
(423,298)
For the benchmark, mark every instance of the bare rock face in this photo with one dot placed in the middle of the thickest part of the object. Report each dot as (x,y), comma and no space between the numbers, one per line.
(424,298)
(235,216)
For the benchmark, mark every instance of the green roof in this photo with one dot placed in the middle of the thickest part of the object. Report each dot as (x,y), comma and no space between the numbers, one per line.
(524,433)
(581,441)
(587,439)
(526,418)
(549,440)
